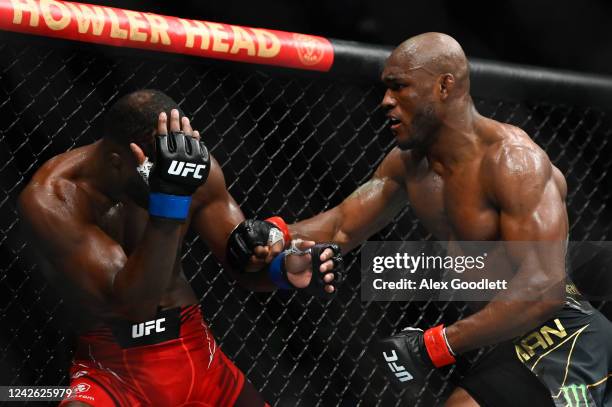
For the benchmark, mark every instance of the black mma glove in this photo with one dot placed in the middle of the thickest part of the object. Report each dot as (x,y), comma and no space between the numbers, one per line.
(409,356)
(316,287)
(250,234)
(181,165)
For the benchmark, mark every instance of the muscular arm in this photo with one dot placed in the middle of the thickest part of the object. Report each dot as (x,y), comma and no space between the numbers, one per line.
(533,221)
(64,232)
(214,219)
(367,210)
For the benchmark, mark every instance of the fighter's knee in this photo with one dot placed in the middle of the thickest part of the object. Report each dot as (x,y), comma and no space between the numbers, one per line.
(460,398)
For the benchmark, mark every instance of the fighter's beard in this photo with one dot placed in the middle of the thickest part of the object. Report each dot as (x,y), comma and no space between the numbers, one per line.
(423,129)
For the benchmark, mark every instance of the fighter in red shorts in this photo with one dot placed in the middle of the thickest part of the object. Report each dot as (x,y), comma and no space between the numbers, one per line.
(109,227)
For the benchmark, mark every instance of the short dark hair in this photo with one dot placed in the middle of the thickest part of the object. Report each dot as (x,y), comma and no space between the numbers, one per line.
(133,117)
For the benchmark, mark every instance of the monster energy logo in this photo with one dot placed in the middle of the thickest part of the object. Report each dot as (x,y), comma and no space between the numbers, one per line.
(576,395)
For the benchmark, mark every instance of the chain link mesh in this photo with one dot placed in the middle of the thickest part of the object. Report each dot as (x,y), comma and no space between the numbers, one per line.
(292,145)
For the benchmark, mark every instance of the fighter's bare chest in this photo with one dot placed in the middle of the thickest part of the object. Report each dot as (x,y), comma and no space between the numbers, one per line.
(453,207)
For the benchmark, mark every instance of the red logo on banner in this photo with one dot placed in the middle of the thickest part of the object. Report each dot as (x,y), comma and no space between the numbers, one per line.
(311,50)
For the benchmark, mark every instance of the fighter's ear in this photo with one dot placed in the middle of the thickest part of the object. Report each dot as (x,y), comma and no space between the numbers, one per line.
(115,161)
(446,83)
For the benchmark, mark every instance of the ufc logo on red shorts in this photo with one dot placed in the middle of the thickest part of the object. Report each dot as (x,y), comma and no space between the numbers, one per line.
(145,328)
(398,370)
(183,169)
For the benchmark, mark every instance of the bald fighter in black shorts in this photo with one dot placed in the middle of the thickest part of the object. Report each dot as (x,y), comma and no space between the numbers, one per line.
(470,178)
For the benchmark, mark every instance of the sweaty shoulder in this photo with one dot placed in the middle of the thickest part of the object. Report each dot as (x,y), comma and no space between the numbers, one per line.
(396,165)
(515,166)
(50,193)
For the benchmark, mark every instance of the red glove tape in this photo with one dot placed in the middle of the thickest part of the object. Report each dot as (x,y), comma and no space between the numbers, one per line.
(436,347)
(280,223)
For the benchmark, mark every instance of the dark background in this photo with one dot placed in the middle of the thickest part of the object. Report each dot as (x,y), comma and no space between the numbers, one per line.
(563,34)
(293,348)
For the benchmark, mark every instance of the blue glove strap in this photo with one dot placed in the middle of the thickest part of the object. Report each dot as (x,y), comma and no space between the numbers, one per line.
(169,206)
(275,272)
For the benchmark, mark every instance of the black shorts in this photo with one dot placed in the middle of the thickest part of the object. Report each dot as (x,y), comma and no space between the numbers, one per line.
(499,379)
(566,361)
(572,356)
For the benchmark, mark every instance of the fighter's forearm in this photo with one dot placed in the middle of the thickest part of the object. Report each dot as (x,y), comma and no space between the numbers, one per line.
(499,321)
(258,281)
(140,284)
(534,294)
(325,227)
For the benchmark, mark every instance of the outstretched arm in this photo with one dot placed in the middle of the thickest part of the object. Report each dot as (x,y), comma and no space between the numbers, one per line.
(215,217)
(530,193)
(367,210)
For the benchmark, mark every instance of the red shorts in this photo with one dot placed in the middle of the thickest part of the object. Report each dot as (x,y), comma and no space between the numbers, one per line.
(172,360)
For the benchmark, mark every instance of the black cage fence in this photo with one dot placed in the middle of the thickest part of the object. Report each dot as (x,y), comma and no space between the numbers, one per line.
(291,144)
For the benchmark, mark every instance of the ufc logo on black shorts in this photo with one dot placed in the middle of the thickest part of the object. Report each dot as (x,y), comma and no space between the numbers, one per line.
(145,328)
(183,169)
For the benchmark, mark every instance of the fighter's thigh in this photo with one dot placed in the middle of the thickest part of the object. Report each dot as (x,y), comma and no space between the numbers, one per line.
(99,390)
(460,398)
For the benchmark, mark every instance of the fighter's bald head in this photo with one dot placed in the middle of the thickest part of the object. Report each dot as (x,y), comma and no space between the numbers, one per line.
(434,52)
(427,80)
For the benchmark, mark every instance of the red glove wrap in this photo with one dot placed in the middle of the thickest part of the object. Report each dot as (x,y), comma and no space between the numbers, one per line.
(436,347)
(280,223)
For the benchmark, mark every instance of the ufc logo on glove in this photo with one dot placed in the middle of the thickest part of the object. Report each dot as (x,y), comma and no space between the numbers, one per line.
(398,370)
(177,166)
